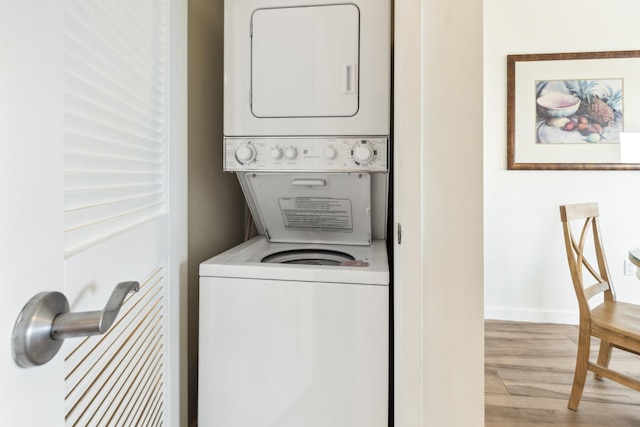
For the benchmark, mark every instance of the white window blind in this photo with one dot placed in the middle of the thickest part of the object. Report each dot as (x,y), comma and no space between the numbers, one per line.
(115,117)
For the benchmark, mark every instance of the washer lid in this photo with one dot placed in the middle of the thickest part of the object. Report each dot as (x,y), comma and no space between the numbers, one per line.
(311,207)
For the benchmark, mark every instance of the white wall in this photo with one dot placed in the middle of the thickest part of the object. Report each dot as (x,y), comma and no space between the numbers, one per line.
(526,274)
(216,204)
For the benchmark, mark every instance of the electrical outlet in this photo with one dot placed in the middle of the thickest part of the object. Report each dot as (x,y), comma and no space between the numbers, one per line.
(629,268)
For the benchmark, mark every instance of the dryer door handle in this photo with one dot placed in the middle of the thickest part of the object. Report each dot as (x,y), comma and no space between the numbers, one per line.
(350,82)
(309,183)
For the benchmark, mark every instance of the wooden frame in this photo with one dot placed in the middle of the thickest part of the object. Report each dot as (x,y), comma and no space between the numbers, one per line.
(541,91)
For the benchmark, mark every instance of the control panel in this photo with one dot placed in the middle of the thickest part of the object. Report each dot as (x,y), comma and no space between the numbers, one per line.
(347,154)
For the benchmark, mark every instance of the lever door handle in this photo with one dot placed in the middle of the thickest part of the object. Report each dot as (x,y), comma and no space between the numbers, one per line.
(45,322)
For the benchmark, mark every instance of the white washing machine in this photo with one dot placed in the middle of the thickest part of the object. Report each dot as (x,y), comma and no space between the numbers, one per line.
(289,337)
(294,324)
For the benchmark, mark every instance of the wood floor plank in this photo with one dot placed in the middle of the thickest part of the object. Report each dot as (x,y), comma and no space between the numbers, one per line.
(529,373)
(492,382)
(508,410)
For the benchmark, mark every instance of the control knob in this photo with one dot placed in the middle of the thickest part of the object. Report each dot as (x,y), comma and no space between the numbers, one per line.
(363,154)
(291,153)
(276,153)
(330,153)
(246,153)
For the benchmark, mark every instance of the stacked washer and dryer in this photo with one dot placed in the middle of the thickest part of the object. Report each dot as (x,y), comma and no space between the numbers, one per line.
(294,323)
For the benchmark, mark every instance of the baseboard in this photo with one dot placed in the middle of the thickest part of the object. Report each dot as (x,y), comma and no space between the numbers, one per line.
(535,316)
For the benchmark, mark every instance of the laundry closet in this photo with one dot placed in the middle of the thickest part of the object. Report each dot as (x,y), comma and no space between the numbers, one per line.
(294,323)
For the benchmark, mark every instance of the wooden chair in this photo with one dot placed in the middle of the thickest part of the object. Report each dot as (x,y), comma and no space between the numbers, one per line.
(615,323)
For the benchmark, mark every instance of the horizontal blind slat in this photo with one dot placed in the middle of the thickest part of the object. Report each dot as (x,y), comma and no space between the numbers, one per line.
(101,127)
(94,145)
(77,161)
(91,179)
(80,236)
(85,101)
(91,197)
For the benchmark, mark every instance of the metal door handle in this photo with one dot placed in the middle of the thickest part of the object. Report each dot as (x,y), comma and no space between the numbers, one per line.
(45,322)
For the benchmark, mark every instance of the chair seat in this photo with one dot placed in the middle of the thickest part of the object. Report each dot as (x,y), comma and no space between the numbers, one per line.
(621,318)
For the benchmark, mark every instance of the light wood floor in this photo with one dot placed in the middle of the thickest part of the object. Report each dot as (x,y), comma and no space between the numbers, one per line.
(528,376)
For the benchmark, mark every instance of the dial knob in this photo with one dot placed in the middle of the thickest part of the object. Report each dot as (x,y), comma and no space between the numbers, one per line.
(246,153)
(276,153)
(330,153)
(363,154)
(291,153)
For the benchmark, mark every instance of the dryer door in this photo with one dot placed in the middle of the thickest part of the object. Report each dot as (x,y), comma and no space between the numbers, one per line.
(305,61)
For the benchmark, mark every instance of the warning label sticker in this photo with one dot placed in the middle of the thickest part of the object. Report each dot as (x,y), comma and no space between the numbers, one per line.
(316,213)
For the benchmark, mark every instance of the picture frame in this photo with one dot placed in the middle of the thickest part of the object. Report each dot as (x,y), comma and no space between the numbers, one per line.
(566,111)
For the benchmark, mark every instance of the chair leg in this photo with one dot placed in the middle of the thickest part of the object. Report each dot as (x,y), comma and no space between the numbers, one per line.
(582,366)
(604,355)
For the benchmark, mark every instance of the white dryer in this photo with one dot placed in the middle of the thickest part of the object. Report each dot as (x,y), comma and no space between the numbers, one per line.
(307,67)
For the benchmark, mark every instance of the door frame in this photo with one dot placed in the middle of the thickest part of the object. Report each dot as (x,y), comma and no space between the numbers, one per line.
(178,253)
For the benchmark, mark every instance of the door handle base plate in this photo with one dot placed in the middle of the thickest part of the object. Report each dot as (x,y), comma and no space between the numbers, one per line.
(33,344)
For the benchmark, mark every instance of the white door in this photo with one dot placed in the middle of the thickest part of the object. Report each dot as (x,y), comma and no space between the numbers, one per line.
(87,92)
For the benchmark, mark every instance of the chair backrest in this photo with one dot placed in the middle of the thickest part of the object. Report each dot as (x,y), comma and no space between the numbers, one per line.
(587,214)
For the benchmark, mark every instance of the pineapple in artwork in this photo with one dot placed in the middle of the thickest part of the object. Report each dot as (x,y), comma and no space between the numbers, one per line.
(601,113)
(604,109)
(600,105)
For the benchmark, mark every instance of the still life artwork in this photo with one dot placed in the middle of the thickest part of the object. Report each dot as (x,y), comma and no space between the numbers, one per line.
(572,110)
(579,111)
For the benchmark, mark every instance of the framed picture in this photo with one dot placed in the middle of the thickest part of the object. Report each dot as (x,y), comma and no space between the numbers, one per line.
(567,110)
